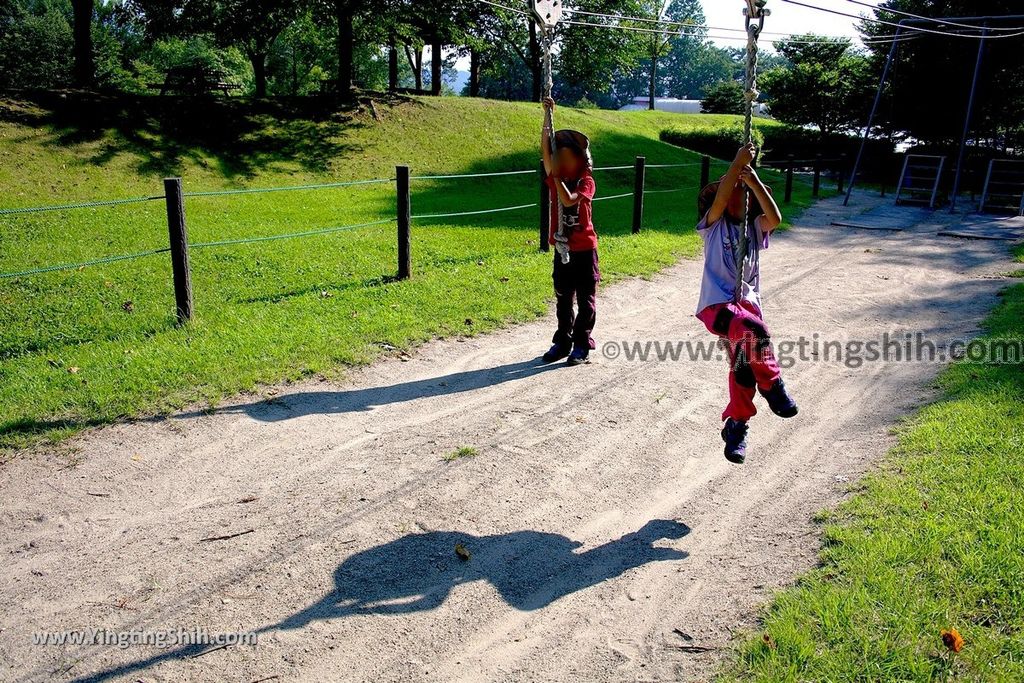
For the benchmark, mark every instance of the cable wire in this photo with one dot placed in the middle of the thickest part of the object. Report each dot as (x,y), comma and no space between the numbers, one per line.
(669,22)
(288,188)
(638,29)
(469,175)
(473,213)
(936,20)
(918,29)
(79,205)
(84,264)
(614,196)
(308,233)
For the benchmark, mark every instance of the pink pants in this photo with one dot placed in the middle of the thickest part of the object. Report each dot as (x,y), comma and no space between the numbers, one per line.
(752,363)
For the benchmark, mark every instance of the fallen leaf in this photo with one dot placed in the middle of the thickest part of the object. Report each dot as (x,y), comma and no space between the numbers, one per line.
(73,369)
(952,639)
(128,306)
(462,552)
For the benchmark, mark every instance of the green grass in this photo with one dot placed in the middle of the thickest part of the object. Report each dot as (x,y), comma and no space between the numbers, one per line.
(462,452)
(933,540)
(279,311)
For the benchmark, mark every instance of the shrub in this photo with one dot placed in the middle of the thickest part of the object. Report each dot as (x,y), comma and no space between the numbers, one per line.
(723,97)
(721,143)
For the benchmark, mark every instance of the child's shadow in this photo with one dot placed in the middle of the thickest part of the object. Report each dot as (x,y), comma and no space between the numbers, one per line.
(530,569)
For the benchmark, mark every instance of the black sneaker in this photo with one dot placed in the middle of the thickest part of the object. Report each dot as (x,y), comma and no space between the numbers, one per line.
(579,356)
(779,400)
(556,352)
(734,434)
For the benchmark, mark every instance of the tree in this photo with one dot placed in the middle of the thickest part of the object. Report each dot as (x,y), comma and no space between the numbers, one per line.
(590,58)
(723,97)
(254,26)
(689,18)
(81,29)
(827,84)
(929,66)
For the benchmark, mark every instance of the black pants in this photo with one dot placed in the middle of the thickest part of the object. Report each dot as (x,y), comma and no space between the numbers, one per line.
(577,279)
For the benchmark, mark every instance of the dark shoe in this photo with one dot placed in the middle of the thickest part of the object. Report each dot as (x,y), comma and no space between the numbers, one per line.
(556,352)
(734,434)
(779,400)
(578,356)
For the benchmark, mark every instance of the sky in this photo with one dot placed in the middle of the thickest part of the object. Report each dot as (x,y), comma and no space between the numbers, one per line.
(786,17)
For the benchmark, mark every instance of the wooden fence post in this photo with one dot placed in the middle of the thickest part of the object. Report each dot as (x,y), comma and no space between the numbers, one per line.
(705,172)
(404,220)
(789,179)
(639,172)
(545,210)
(178,233)
(817,176)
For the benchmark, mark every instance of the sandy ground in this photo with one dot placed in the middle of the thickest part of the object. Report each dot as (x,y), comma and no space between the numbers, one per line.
(608,538)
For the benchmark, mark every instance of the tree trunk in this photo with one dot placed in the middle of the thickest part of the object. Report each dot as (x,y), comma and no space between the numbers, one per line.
(392,64)
(474,73)
(346,46)
(84,68)
(259,72)
(535,63)
(416,64)
(435,67)
(652,92)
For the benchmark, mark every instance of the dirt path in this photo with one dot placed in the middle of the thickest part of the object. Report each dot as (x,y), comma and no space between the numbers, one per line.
(601,517)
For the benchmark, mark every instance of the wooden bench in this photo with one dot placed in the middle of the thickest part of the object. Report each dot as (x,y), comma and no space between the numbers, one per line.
(194,80)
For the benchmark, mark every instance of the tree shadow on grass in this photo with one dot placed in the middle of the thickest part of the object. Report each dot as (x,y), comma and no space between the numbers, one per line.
(417,572)
(241,136)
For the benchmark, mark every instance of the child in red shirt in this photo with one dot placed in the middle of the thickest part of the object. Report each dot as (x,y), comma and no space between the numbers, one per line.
(572,191)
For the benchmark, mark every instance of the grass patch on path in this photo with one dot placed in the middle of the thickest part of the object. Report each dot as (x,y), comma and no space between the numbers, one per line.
(278,311)
(934,541)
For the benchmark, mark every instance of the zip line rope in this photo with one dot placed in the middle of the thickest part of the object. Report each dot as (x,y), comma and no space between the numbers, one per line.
(936,20)
(827,39)
(919,29)
(755,14)
(670,22)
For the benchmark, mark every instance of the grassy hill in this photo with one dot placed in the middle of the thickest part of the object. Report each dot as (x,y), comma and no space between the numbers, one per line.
(87,346)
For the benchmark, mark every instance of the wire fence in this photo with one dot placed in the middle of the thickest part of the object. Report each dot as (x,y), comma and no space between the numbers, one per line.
(79,205)
(175,197)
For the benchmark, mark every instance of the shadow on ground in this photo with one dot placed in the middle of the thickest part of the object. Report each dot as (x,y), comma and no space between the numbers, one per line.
(417,572)
(358,400)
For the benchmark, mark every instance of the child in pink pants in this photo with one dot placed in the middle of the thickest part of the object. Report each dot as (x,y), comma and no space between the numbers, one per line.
(738,319)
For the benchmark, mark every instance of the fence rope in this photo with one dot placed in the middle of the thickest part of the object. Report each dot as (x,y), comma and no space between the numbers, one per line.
(79,205)
(614,168)
(698,163)
(287,188)
(474,213)
(470,175)
(307,233)
(614,196)
(674,189)
(84,264)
